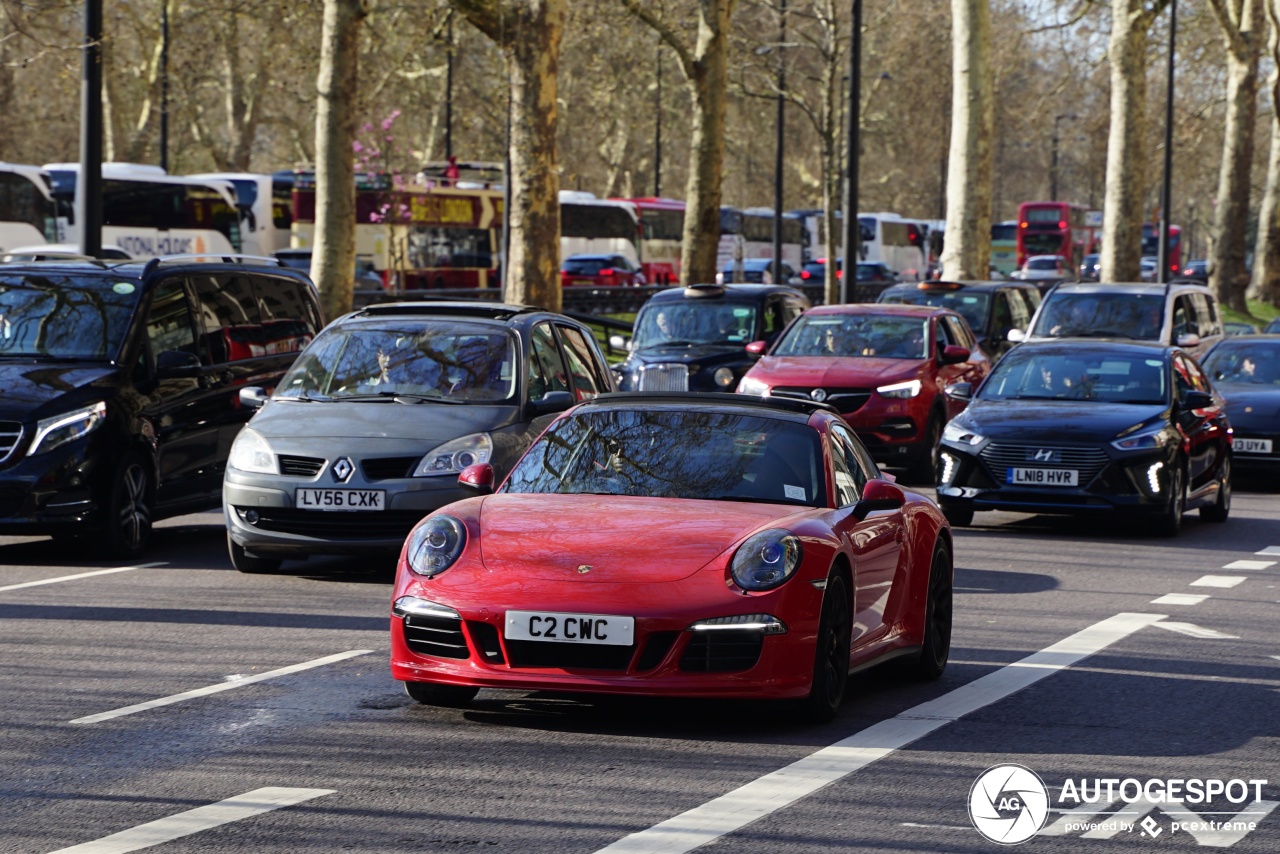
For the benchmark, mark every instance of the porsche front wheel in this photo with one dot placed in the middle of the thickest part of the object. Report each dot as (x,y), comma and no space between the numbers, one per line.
(936,648)
(831,658)
(431,694)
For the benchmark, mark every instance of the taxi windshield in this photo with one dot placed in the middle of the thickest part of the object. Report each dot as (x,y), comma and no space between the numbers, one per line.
(694,322)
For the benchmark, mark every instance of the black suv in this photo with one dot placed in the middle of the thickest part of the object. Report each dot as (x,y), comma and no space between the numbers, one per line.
(121,386)
(695,338)
(991,308)
(369,430)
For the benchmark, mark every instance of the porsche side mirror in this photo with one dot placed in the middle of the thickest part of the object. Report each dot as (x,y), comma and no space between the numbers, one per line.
(477,478)
(879,495)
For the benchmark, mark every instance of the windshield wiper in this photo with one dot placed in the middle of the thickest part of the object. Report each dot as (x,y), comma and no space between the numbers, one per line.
(399,397)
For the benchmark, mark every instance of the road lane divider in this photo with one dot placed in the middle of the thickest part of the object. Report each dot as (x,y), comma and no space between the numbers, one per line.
(173,827)
(1180,599)
(1192,630)
(1250,564)
(770,793)
(221,686)
(1223,581)
(80,575)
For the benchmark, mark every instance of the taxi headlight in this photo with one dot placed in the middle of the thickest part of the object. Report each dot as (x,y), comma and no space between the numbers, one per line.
(766,559)
(435,544)
(724,377)
(251,452)
(59,430)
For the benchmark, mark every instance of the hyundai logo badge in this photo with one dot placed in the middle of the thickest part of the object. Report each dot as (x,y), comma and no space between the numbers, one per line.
(343,469)
(1045,455)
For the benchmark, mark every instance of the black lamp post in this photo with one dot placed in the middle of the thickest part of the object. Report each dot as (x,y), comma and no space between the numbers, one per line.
(853,125)
(89,191)
(1166,187)
(164,85)
(657,124)
(778,145)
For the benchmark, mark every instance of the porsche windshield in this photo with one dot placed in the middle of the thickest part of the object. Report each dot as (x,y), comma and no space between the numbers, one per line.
(669,452)
(433,358)
(855,335)
(64,316)
(1031,373)
(693,322)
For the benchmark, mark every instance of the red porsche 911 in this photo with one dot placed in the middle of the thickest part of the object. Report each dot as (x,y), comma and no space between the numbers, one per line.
(710,545)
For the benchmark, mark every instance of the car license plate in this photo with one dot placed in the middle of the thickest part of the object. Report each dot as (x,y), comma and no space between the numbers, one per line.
(1250,446)
(570,628)
(1044,477)
(583,282)
(341,499)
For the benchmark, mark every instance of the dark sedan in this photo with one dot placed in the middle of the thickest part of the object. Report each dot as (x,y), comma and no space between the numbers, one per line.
(1247,373)
(1076,427)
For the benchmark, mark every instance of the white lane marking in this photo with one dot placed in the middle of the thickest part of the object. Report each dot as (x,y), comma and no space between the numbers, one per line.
(727,813)
(221,686)
(1250,564)
(1219,581)
(82,575)
(1180,599)
(1196,631)
(1269,550)
(199,819)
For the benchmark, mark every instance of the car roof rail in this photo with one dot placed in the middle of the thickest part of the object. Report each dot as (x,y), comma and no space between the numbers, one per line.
(219,257)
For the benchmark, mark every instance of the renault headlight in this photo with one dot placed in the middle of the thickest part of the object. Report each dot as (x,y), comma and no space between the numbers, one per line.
(903,390)
(1160,436)
(749,385)
(766,559)
(251,452)
(961,435)
(453,456)
(435,545)
(59,430)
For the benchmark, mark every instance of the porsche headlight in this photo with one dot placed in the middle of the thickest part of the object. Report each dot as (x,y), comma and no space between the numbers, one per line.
(724,377)
(904,390)
(435,545)
(1160,436)
(61,429)
(251,452)
(748,385)
(961,435)
(766,559)
(452,457)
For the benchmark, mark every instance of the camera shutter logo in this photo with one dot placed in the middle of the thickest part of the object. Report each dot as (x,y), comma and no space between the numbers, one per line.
(1008,804)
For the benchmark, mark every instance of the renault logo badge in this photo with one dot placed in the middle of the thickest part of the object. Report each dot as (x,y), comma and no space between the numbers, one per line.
(343,469)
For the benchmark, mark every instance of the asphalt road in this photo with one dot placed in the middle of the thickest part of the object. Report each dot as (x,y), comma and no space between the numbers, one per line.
(280,729)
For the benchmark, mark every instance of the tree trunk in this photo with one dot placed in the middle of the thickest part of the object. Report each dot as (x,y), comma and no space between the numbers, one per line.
(1126,144)
(967,245)
(333,259)
(529,33)
(1242,31)
(1265,284)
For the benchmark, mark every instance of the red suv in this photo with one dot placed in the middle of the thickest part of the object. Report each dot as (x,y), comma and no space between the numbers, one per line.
(601,271)
(884,367)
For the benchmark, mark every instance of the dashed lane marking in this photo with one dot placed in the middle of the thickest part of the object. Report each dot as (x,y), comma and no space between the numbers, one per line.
(1180,599)
(1195,631)
(757,799)
(1250,564)
(1219,581)
(221,686)
(199,819)
(1269,550)
(81,575)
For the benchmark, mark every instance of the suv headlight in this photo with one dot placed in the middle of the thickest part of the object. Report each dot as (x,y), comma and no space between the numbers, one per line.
(749,385)
(954,432)
(903,390)
(435,545)
(766,559)
(251,452)
(1158,437)
(455,455)
(59,430)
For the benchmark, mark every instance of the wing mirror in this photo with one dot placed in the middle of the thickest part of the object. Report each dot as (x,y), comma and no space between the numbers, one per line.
(477,478)
(1188,339)
(959,391)
(879,495)
(253,397)
(953,354)
(552,402)
(757,348)
(1017,336)
(177,364)
(1197,400)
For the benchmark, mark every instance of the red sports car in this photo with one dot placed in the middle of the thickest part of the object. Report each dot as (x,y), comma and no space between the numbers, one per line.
(883,367)
(709,545)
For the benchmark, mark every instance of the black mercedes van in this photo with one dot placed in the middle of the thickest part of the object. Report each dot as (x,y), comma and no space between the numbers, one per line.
(120,386)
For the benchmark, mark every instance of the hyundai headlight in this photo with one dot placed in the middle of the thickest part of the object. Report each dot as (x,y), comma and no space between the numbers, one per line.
(961,435)
(251,452)
(59,430)
(1150,439)
(903,390)
(453,456)
(749,385)
(435,545)
(766,559)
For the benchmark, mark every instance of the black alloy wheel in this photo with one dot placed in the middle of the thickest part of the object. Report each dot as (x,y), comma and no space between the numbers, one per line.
(936,649)
(247,563)
(831,656)
(129,511)
(924,469)
(1220,509)
(1169,522)
(449,696)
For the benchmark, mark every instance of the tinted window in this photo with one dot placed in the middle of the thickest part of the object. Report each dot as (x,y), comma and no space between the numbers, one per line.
(1036,373)
(22,201)
(1245,362)
(695,322)
(587,381)
(675,453)
(65,316)
(972,305)
(1067,314)
(881,336)
(546,368)
(232,321)
(169,325)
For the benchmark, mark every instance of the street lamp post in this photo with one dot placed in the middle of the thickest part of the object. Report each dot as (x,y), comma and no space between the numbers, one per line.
(1166,187)
(1053,157)
(778,144)
(853,124)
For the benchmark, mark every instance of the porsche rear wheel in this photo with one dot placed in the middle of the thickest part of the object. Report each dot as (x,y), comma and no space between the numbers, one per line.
(936,648)
(431,694)
(831,658)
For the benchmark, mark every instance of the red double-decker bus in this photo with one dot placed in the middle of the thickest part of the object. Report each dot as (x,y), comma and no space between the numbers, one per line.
(1151,246)
(661,237)
(1054,228)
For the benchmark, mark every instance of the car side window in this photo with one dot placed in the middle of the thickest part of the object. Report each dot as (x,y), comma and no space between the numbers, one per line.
(231,317)
(1019,312)
(791,309)
(960,333)
(1183,317)
(771,318)
(169,323)
(940,338)
(1206,316)
(850,475)
(288,315)
(546,369)
(1001,312)
(587,381)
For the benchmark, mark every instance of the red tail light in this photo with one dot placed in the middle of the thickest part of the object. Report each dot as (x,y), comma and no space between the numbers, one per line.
(607,271)
(805,274)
